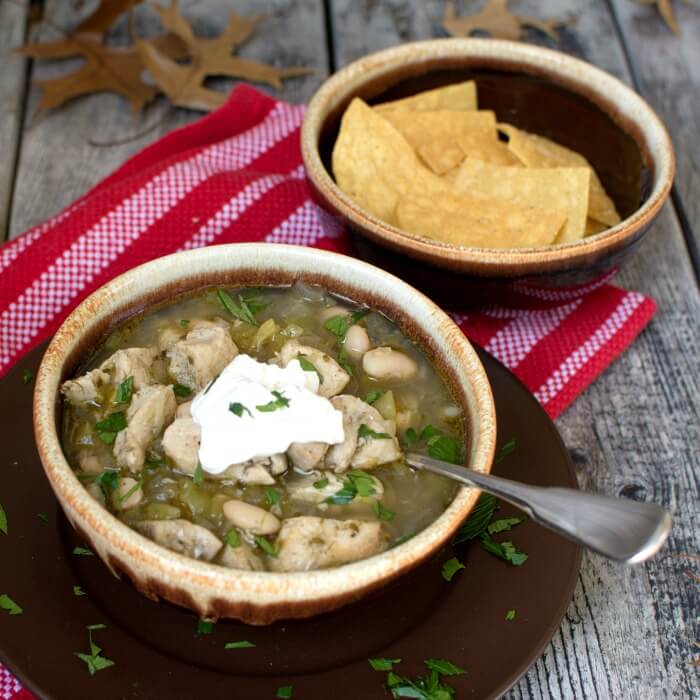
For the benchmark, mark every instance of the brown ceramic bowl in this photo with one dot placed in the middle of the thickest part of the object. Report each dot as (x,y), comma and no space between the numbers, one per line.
(213,591)
(539,90)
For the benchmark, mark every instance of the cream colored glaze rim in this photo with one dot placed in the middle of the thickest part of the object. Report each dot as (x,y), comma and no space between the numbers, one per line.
(596,85)
(207,581)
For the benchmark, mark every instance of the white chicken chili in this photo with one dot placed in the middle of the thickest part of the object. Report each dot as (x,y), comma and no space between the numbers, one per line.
(263,429)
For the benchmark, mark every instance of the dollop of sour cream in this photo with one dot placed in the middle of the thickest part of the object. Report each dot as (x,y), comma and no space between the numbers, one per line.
(242,419)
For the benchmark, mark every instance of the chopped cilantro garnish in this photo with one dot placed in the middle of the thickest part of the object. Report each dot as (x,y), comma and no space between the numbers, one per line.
(284,692)
(411,436)
(321,483)
(232,538)
(205,627)
(181,390)
(478,519)
(43,517)
(6,603)
(309,366)
(374,396)
(505,451)
(428,687)
(503,550)
(3,520)
(503,525)
(382,512)
(94,660)
(280,401)
(339,326)
(198,476)
(382,664)
(245,309)
(446,448)
(510,615)
(184,322)
(243,644)
(78,591)
(272,496)
(125,391)
(266,546)
(83,552)
(27,376)
(430,431)
(108,482)
(108,428)
(444,667)
(366,432)
(451,567)
(238,408)
(154,463)
(356,483)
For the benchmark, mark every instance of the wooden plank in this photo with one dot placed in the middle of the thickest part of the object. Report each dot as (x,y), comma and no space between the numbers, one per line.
(667,69)
(57,163)
(629,631)
(13,23)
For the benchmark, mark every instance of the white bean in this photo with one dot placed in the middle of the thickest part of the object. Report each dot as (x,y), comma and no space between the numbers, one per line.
(248,517)
(122,500)
(385,363)
(356,341)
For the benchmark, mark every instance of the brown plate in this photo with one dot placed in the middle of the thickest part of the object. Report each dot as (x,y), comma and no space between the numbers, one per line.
(155,646)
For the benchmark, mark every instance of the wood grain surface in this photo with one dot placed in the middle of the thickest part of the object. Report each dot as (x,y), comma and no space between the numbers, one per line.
(630,632)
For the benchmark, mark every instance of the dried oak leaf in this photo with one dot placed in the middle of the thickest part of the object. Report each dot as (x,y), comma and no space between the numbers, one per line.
(496,19)
(665,9)
(183,83)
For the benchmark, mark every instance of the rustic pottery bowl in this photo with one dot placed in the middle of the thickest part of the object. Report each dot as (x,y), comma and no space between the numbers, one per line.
(213,591)
(536,89)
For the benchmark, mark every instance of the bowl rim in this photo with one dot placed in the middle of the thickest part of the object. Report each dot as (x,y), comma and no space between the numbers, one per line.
(206,582)
(588,81)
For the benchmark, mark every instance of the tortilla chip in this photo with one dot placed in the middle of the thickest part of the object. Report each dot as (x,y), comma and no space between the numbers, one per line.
(555,189)
(593,227)
(374,164)
(470,221)
(539,152)
(461,96)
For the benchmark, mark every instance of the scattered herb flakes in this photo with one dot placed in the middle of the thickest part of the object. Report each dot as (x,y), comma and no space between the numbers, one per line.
(383,664)
(375,396)
(505,451)
(280,401)
(108,428)
(184,322)
(428,687)
(27,376)
(243,644)
(94,660)
(78,591)
(232,538)
(124,391)
(383,513)
(6,603)
(309,366)
(356,483)
(108,482)
(503,525)
(181,390)
(238,408)
(478,519)
(411,436)
(321,483)
(366,432)
(83,552)
(510,615)
(43,517)
(503,550)
(3,520)
(339,326)
(446,448)
(428,432)
(198,476)
(266,546)
(285,691)
(273,496)
(451,567)
(444,667)
(205,627)
(245,309)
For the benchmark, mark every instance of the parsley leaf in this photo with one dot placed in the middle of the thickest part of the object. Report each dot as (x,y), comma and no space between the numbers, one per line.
(321,483)
(284,691)
(232,538)
(244,310)
(356,483)
(238,408)
(108,482)
(198,476)
(411,436)
(205,627)
(243,644)
(382,512)
(366,432)
(266,546)
(444,667)
(382,664)
(503,525)
(339,326)
(503,550)
(6,603)
(451,567)
(511,614)
(446,448)
(184,322)
(94,660)
(181,390)
(3,520)
(427,687)
(309,366)
(27,376)
(78,591)
(108,428)
(43,517)
(280,401)
(374,396)
(478,519)
(125,391)
(272,496)
(154,463)
(505,451)
(83,552)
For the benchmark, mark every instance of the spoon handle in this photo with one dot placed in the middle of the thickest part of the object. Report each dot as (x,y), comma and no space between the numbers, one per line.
(617,528)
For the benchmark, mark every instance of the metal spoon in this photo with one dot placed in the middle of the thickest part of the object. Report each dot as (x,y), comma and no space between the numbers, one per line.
(618,528)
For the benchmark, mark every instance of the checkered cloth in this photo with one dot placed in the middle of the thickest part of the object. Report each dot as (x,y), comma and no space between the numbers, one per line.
(236,175)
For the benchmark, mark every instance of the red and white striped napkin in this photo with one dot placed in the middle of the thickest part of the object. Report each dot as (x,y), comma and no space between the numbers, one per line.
(236,175)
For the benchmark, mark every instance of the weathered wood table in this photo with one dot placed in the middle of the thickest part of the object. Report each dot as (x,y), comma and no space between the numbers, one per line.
(629,632)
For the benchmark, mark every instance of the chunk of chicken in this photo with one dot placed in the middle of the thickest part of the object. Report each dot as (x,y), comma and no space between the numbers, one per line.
(201,355)
(260,471)
(181,444)
(333,377)
(168,335)
(306,542)
(361,452)
(241,557)
(86,388)
(131,362)
(151,409)
(306,456)
(181,536)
